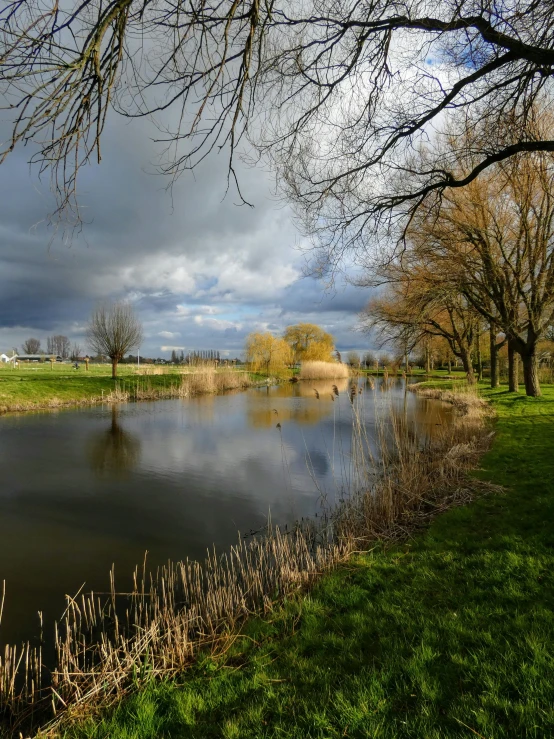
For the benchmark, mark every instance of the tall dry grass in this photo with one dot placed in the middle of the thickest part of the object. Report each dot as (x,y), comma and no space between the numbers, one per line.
(199,381)
(464,398)
(209,380)
(410,480)
(323,371)
(109,643)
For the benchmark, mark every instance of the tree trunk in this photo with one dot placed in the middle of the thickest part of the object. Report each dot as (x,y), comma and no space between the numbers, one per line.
(468,366)
(114,367)
(427,361)
(449,366)
(513,379)
(495,374)
(531,374)
(479,360)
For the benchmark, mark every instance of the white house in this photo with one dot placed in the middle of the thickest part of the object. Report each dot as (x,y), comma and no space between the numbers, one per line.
(4,358)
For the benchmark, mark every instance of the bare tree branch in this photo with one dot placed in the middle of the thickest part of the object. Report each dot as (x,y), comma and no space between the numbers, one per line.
(339,95)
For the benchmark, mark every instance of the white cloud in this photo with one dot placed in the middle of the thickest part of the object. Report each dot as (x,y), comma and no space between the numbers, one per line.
(168,334)
(200,271)
(216,324)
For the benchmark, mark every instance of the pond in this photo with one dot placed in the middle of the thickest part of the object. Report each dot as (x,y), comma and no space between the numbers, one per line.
(84,489)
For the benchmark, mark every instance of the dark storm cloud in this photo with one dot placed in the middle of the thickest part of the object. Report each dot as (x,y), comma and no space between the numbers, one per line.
(201,271)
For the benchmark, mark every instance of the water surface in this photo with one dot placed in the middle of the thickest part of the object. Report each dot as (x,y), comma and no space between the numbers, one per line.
(83,489)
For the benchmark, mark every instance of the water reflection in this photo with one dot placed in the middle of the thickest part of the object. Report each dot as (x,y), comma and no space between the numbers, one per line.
(174,478)
(278,407)
(114,451)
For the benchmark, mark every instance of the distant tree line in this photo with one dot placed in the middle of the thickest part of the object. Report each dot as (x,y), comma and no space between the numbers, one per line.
(58,345)
(196,357)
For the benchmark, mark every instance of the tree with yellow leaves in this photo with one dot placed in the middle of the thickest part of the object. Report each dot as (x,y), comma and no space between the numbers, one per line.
(267,352)
(309,343)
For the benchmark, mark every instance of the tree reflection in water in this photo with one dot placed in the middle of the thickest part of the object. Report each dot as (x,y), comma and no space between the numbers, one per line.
(266,410)
(114,451)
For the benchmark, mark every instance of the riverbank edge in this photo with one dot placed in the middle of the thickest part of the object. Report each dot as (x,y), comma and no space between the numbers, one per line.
(484,712)
(127,389)
(403,533)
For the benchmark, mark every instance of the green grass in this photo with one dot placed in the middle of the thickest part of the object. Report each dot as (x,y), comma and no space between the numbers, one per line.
(450,635)
(40,386)
(36,386)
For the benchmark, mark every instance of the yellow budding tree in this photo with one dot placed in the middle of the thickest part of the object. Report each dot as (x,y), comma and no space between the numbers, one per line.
(309,343)
(267,353)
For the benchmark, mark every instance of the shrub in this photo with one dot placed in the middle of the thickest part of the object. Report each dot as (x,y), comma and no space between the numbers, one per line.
(323,370)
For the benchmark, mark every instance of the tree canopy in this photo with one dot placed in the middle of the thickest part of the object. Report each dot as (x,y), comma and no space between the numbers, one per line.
(113,330)
(309,342)
(483,254)
(341,96)
(267,352)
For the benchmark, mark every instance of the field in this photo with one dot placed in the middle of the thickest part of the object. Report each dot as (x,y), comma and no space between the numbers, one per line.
(36,386)
(448,635)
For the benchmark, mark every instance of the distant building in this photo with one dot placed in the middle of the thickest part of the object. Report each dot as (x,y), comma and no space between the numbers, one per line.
(6,358)
(37,358)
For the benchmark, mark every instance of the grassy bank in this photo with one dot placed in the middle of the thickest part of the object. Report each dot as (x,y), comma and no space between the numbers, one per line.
(448,635)
(35,387)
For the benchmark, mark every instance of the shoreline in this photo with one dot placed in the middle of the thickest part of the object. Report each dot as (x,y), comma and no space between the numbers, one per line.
(50,393)
(447,633)
(384,514)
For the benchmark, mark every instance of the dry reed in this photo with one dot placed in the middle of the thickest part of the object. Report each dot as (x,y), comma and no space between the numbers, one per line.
(464,398)
(323,371)
(202,380)
(108,643)
(411,482)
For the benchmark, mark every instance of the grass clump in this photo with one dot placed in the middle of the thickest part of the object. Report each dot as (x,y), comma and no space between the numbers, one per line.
(447,635)
(323,371)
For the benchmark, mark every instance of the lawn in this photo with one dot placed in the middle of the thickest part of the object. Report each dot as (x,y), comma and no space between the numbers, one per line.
(448,635)
(35,386)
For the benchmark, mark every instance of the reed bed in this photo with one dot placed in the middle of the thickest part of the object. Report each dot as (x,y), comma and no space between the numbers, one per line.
(202,380)
(208,380)
(107,644)
(412,481)
(323,371)
(464,398)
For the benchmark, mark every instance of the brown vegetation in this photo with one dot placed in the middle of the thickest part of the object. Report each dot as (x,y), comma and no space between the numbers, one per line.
(464,399)
(323,371)
(491,244)
(477,260)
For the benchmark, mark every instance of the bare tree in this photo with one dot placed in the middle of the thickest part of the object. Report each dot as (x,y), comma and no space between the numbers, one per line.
(113,330)
(419,303)
(31,346)
(369,359)
(347,90)
(494,242)
(59,345)
(353,359)
(76,351)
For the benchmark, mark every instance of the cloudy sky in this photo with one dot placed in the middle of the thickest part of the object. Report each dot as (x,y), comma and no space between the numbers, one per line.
(201,271)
